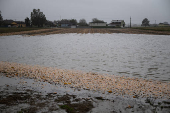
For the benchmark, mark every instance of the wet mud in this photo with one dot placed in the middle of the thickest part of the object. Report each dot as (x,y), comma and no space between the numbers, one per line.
(24,95)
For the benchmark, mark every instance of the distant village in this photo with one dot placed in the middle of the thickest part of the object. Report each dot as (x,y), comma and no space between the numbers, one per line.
(64,23)
(38,19)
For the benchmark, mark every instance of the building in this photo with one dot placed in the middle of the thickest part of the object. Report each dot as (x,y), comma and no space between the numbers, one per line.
(11,23)
(20,24)
(73,26)
(117,23)
(164,24)
(153,25)
(97,24)
(66,24)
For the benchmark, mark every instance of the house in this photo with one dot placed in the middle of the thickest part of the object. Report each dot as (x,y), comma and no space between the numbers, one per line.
(20,24)
(164,24)
(97,24)
(11,23)
(117,23)
(66,24)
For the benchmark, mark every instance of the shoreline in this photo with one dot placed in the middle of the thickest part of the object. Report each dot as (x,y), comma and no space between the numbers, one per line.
(20,94)
(124,86)
(49,31)
(59,96)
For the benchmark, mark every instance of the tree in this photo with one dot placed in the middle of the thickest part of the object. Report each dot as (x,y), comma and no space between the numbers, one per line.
(73,21)
(145,22)
(82,22)
(49,23)
(1,19)
(27,21)
(38,18)
(97,20)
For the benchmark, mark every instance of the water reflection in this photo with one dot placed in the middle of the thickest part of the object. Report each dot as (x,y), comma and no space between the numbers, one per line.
(145,56)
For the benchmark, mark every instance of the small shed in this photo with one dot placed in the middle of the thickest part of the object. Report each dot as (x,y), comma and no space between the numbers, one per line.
(73,26)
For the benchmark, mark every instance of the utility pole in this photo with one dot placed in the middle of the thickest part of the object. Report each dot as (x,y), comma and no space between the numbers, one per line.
(130,22)
(60,21)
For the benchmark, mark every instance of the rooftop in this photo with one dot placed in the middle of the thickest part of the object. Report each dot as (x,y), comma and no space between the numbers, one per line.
(117,20)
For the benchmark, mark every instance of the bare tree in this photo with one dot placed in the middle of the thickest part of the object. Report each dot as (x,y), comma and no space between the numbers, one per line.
(73,21)
(82,22)
(97,20)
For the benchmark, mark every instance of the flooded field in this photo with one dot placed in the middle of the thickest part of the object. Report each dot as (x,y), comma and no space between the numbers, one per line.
(78,73)
(132,55)
(21,95)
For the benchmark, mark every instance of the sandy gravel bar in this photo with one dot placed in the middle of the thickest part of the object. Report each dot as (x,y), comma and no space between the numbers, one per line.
(124,86)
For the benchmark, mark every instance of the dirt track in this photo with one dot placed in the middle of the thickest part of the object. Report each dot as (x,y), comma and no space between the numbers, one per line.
(86,30)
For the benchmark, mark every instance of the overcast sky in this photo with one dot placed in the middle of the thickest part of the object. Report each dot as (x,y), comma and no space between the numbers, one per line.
(106,10)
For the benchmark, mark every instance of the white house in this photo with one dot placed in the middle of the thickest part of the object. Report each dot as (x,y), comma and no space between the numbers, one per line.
(95,24)
(117,23)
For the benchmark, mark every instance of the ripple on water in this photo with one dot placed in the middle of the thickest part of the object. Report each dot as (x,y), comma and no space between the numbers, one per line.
(112,53)
(93,81)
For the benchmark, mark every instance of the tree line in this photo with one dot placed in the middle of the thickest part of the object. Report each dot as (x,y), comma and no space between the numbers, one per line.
(38,19)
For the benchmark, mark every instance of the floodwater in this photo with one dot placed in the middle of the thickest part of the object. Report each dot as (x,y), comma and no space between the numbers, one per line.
(132,55)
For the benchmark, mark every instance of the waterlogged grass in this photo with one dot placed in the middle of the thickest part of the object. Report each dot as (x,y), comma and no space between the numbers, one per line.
(10,30)
(153,28)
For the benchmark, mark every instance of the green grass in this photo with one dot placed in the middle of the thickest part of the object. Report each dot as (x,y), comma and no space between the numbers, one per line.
(10,30)
(153,28)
